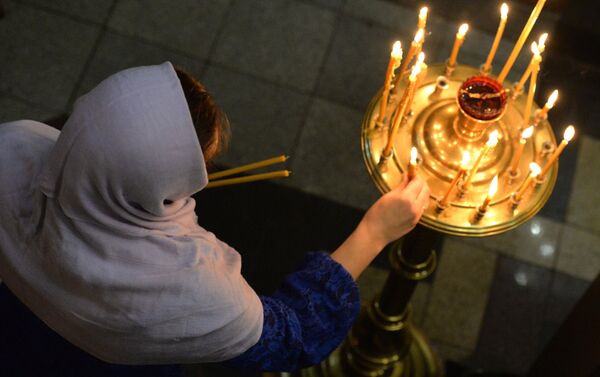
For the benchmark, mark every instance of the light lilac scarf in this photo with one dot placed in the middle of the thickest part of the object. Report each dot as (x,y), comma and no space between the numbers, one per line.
(89,245)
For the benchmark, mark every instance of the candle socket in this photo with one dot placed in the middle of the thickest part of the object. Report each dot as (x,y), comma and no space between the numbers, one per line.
(441,84)
(479,214)
(540,179)
(440,207)
(462,189)
(515,200)
(513,175)
(378,123)
(450,68)
(516,91)
(540,116)
(547,149)
(383,160)
(485,71)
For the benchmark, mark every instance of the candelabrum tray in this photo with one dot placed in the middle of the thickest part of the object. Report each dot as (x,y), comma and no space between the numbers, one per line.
(432,128)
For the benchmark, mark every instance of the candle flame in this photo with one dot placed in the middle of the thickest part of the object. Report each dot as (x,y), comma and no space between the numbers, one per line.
(423,13)
(415,71)
(492,139)
(542,41)
(526,134)
(418,36)
(397,50)
(552,99)
(493,186)
(569,133)
(535,169)
(421,58)
(504,11)
(462,30)
(466,158)
(413,155)
(534,48)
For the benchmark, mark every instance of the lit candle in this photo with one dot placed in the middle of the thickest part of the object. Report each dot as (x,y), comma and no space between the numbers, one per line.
(527,73)
(415,46)
(491,193)
(549,103)
(412,163)
(460,37)
(422,18)
(535,68)
(401,111)
(491,143)
(461,172)
(534,171)
(567,136)
(526,134)
(542,42)
(503,16)
(521,41)
(420,78)
(395,58)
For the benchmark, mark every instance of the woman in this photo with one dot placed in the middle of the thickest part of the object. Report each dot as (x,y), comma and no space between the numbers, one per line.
(99,238)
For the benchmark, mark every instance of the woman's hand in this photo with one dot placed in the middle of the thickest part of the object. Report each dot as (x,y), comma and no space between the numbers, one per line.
(392,216)
(397,212)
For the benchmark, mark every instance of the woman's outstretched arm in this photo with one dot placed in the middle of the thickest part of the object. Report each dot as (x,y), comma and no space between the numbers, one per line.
(311,313)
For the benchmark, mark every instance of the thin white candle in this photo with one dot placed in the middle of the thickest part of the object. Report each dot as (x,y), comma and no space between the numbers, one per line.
(521,41)
(412,163)
(491,143)
(534,171)
(460,37)
(503,16)
(526,134)
(549,103)
(394,62)
(422,18)
(567,136)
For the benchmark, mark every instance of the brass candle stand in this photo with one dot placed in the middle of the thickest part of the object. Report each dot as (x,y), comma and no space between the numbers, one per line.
(383,341)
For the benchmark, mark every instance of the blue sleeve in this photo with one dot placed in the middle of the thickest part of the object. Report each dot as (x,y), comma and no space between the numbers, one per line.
(306,319)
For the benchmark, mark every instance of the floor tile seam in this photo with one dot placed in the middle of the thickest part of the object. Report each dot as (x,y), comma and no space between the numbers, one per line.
(559,240)
(27,102)
(582,228)
(487,310)
(91,55)
(215,42)
(498,252)
(545,305)
(149,42)
(60,13)
(427,310)
(313,92)
(365,20)
(313,3)
(449,344)
(523,7)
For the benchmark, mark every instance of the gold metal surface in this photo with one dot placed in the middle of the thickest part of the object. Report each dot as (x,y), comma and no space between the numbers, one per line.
(419,362)
(435,128)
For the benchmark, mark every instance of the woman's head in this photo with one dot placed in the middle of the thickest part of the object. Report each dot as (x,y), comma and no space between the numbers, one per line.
(210,122)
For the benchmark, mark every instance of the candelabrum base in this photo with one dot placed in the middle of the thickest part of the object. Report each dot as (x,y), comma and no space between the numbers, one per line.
(420,361)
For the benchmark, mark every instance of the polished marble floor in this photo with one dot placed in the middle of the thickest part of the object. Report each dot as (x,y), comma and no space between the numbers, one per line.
(294,77)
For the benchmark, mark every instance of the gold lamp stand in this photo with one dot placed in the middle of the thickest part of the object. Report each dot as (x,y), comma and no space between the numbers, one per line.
(383,341)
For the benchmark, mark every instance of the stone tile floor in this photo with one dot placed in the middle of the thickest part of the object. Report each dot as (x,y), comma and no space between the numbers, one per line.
(295,77)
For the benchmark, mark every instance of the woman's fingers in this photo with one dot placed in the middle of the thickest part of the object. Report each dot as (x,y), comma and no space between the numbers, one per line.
(413,188)
(422,200)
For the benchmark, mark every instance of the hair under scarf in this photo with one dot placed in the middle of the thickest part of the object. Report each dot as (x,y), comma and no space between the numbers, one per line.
(99,237)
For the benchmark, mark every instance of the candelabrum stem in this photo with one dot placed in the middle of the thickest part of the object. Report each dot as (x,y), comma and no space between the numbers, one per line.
(382,337)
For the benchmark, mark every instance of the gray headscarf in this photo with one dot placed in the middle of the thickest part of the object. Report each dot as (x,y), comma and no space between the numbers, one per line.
(98,235)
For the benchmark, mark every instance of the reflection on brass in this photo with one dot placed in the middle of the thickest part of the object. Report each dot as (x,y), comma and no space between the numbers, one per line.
(441,132)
